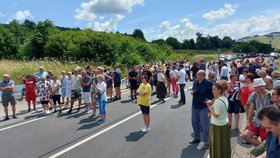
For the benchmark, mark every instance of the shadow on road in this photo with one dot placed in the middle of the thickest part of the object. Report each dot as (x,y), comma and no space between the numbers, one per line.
(134,136)
(192,151)
(176,106)
(126,101)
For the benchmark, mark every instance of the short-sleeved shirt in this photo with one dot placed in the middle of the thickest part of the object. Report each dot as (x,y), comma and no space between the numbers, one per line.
(30,86)
(117,76)
(146,99)
(202,91)
(194,70)
(86,80)
(160,77)
(6,84)
(102,87)
(174,73)
(260,102)
(182,76)
(133,74)
(273,146)
(147,73)
(43,90)
(63,81)
(202,66)
(76,85)
(224,71)
(55,86)
(220,107)
(41,74)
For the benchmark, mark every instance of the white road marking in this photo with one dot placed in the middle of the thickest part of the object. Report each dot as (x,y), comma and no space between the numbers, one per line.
(20,124)
(100,132)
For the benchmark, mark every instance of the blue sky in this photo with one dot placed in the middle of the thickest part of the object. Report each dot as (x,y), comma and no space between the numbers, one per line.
(156,18)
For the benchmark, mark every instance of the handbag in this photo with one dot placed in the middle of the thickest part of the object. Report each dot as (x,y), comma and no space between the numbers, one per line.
(97,96)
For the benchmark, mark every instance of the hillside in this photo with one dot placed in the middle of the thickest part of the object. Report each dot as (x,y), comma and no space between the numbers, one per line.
(275,39)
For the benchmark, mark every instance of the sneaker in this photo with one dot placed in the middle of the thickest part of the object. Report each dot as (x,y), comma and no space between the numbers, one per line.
(69,111)
(146,130)
(14,117)
(142,129)
(6,118)
(102,121)
(28,110)
(48,112)
(93,115)
(78,109)
(89,111)
(205,147)
(59,111)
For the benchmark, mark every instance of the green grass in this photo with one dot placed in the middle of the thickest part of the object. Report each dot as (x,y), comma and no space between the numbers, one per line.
(275,42)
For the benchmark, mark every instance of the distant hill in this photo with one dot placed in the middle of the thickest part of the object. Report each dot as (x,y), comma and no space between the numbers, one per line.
(274,37)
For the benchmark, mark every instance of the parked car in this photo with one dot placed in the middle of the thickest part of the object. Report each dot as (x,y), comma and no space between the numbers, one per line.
(274,55)
(222,57)
(231,57)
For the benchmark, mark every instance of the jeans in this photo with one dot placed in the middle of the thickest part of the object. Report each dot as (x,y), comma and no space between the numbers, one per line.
(182,92)
(201,124)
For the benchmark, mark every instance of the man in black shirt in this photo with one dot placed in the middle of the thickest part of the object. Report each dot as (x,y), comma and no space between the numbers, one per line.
(194,70)
(132,76)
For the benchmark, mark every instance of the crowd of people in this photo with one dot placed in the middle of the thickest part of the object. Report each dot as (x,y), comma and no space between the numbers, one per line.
(220,91)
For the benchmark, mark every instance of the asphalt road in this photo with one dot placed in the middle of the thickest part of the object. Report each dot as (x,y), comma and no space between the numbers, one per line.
(79,135)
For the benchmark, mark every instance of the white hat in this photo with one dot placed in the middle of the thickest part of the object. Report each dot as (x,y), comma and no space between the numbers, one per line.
(259,82)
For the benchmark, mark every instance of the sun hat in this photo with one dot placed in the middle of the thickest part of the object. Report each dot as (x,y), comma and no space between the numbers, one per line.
(275,74)
(259,82)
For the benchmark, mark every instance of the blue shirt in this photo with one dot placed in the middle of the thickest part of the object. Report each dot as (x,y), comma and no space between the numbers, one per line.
(41,74)
(117,76)
(224,71)
(273,146)
(6,84)
(202,91)
(64,81)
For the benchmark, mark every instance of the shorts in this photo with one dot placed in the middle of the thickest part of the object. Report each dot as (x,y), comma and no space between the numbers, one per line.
(259,131)
(8,98)
(260,149)
(63,92)
(117,84)
(109,84)
(75,94)
(133,86)
(234,107)
(30,97)
(145,109)
(44,102)
(86,97)
(224,78)
(56,99)
(102,107)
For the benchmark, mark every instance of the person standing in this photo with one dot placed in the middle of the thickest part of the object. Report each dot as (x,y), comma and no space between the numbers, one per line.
(202,91)
(133,76)
(76,90)
(56,94)
(173,77)
(85,82)
(224,72)
(40,73)
(30,91)
(167,76)
(181,79)
(144,101)
(68,88)
(7,87)
(161,88)
(194,70)
(257,100)
(219,133)
(63,81)
(100,88)
(44,91)
(117,82)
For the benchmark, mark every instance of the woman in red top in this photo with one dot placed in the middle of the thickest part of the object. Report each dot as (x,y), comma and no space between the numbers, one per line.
(30,91)
(246,92)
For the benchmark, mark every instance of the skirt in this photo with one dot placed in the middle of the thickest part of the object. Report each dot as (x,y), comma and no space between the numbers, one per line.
(161,90)
(220,146)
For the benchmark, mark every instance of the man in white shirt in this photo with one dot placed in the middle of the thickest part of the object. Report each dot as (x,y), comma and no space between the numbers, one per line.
(181,79)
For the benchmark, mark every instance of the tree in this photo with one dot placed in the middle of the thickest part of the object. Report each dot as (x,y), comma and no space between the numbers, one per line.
(138,34)
(173,42)
(159,41)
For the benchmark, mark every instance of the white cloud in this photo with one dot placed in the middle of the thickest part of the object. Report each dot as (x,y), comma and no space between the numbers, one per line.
(262,24)
(22,15)
(227,11)
(108,25)
(95,11)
